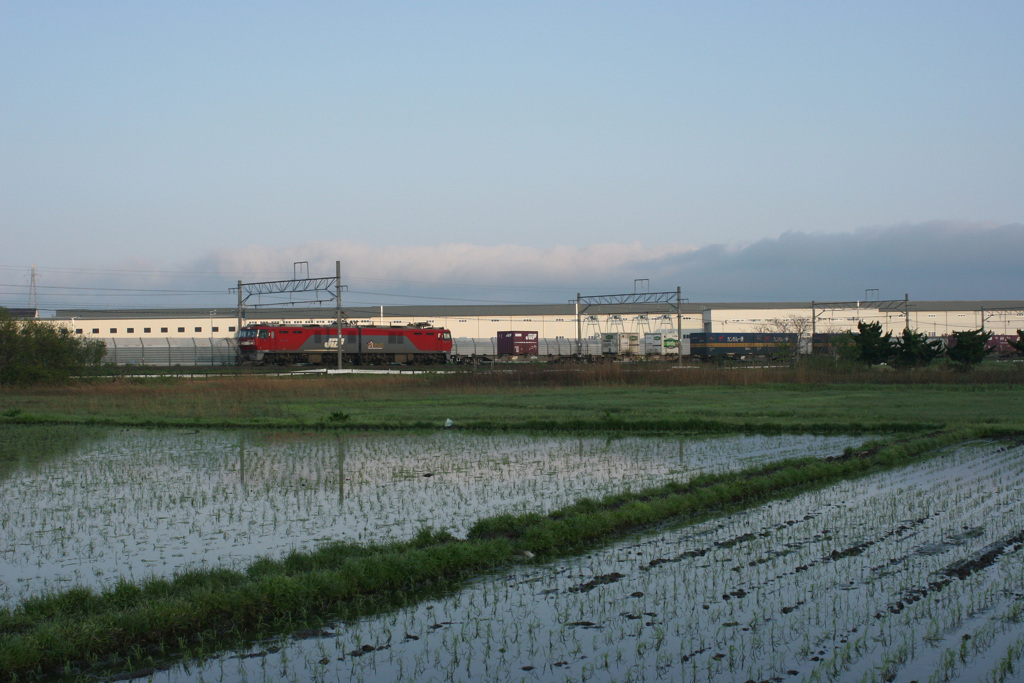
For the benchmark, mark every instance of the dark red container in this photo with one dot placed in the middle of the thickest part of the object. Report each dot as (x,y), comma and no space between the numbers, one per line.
(517,343)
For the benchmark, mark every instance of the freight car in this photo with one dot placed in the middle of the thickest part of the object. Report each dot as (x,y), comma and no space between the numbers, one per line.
(472,351)
(722,345)
(318,344)
(518,343)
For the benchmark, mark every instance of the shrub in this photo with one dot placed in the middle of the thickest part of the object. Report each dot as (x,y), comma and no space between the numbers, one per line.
(969,348)
(34,351)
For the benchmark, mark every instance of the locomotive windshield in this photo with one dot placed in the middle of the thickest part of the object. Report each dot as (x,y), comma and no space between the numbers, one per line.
(253,334)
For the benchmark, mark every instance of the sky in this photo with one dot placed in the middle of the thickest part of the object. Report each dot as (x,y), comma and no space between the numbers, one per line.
(154,154)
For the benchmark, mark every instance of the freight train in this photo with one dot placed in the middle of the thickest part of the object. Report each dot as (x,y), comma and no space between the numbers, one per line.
(526,346)
(421,344)
(717,345)
(360,345)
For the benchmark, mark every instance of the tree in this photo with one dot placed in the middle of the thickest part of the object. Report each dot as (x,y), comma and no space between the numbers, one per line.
(35,351)
(1019,344)
(799,325)
(969,348)
(843,347)
(914,350)
(873,347)
(792,324)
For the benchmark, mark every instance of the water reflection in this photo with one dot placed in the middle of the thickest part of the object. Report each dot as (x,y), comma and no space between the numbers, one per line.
(28,446)
(341,472)
(138,503)
(241,462)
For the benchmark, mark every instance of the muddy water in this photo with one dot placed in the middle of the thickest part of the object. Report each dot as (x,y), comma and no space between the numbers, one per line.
(135,503)
(911,575)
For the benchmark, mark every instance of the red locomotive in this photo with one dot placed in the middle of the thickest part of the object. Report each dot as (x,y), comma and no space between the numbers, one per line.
(318,344)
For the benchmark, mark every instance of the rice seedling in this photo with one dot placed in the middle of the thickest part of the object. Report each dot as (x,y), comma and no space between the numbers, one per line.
(911,573)
(775,564)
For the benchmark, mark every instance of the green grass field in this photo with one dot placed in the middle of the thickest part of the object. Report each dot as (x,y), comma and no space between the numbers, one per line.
(589,400)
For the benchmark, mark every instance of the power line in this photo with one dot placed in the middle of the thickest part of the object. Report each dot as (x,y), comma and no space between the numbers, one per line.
(115,271)
(121,289)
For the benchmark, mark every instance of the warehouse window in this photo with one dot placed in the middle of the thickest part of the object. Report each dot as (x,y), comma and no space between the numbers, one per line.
(199,329)
(181,329)
(95,330)
(231,329)
(147,330)
(164,330)
(131,330)
(113,330)
(216,329)
(78,331)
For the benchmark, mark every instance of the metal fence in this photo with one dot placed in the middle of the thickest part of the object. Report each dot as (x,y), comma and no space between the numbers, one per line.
(169,352)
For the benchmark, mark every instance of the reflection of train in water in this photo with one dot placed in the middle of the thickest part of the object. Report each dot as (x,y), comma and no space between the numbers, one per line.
(318,344)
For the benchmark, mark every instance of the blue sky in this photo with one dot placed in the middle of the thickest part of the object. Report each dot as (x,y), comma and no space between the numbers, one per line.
(508,151)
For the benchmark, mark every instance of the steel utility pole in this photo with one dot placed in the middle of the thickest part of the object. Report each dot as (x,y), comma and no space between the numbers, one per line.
(238,329)
(579,327)
(33,294)
(679,326)
(814,325)
(337,294)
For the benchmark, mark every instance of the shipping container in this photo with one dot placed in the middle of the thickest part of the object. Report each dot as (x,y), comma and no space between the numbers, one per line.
(741,344)
(653,345)
(615,343)
(517,343)
(634,345)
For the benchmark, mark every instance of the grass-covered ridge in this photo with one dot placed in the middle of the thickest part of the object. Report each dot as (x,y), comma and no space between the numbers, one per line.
(134,627)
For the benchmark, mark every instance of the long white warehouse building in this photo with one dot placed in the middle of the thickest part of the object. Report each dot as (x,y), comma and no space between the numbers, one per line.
(935,318)
(207,337)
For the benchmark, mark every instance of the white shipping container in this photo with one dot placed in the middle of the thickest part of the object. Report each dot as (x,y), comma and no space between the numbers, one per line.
(675,347)
(653,345)
(615,343)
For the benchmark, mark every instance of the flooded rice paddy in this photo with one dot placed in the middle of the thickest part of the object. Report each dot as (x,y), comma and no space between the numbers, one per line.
(138,503)
(910,575)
